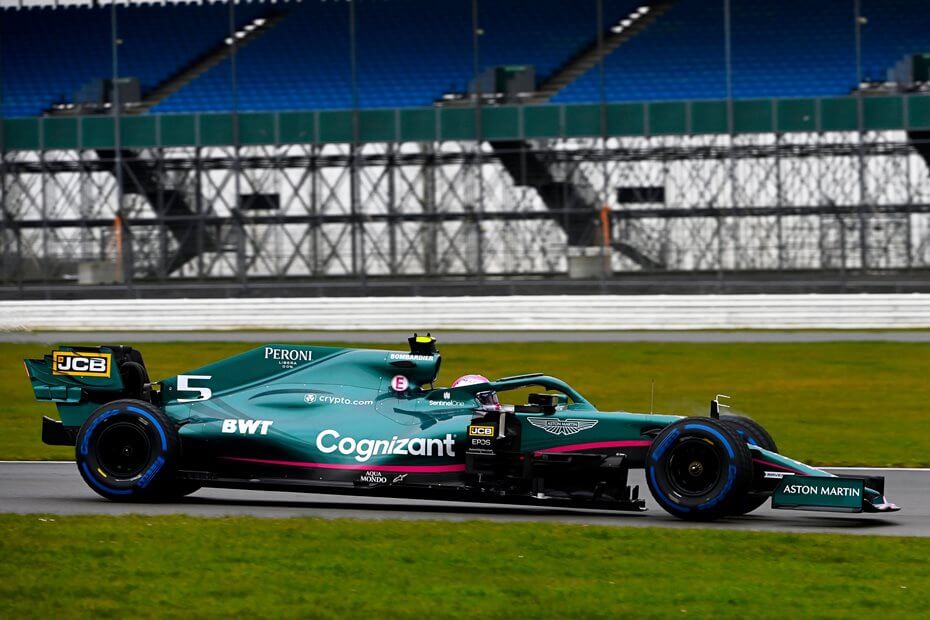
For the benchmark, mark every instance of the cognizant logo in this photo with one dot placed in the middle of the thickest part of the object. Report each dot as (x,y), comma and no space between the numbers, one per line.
(329,441)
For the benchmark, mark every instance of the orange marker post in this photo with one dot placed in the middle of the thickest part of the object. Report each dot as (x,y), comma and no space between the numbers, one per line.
(118,239)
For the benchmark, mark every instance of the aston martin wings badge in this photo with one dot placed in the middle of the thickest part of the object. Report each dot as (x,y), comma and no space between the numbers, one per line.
(562,427)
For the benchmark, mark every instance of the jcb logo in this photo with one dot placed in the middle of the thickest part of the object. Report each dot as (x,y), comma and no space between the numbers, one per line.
(81,364)
(480,431)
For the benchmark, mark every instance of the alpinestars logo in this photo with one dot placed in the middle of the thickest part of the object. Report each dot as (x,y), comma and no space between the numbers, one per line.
(562,427)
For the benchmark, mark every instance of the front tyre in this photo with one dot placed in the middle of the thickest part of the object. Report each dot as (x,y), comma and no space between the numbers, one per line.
(126,451)
(698,469)
(751,431)
(753,434)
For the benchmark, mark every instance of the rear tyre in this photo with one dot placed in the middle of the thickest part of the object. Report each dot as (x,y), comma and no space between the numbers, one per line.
(698,469)
(126,451)
(754,434)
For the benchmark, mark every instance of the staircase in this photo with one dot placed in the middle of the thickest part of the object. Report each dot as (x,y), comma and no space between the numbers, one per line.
(566,191)
(920,142)
(141,177)
(207,61)
(589,57)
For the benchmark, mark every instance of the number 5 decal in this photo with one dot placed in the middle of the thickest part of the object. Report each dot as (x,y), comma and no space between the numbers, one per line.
(185,386)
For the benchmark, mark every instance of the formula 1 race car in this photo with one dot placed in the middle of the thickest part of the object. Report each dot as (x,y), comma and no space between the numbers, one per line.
(370,422)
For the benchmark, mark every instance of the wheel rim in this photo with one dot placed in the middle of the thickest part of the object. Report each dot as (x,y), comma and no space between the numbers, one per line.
(123,450)
(694,467)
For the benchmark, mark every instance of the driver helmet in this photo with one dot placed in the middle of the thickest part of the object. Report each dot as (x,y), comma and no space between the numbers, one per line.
(485,399)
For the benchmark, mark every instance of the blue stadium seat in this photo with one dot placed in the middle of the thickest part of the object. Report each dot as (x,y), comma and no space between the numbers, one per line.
(49,53)
(412,51)
(409,51)
(779,49)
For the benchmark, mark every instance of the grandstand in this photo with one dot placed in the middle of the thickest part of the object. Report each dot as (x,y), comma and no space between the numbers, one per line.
(788,48)
(411,52)
(319,139)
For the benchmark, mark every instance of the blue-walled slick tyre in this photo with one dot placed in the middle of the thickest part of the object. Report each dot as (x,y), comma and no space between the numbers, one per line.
(698,469)
(751,431)
(126,451)
(754,434)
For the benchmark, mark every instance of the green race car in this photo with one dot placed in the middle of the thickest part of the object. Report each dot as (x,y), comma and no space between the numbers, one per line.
(371,422)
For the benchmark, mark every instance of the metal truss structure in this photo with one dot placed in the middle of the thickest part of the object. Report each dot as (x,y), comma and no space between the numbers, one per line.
(802,202)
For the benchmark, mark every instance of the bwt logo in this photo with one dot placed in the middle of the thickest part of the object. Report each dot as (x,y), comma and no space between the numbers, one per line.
(81,364)
(247,427)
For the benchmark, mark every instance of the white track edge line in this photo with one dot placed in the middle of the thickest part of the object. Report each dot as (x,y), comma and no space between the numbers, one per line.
(37,462)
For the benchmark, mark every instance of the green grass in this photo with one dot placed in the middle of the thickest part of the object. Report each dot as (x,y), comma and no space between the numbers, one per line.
(116,567)
(845,403)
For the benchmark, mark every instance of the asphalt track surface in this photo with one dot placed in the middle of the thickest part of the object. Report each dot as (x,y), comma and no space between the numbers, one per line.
(398,337)
(56,488)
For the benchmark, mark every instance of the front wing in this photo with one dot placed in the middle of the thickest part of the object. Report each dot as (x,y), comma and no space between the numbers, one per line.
(797,486)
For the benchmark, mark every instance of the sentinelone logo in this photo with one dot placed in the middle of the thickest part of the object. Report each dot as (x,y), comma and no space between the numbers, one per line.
(329,441)
(809,489)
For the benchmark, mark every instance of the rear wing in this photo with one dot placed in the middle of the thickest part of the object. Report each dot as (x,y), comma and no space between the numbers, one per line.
(78,379)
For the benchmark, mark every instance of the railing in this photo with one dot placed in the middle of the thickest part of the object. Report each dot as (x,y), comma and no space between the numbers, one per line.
(524,122)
